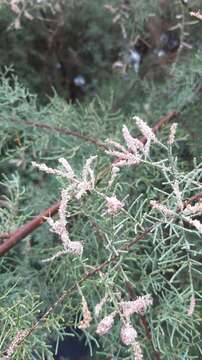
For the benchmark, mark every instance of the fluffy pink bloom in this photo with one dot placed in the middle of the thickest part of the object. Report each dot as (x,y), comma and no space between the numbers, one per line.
(113,205)
(196,223)
(88,172)
(137,351)
(178,193)
(162,208)
(146,131)
(85,323)
(115,171)
(192,306)
(171,137)
(135,148)
(82,188)
(88,179)
(49,170)
(130,141)
(125,158)
(77,186)
(138,306)
(65,197)
(106,324)
(69,171)
(59,226)
(75,248)
(128,334)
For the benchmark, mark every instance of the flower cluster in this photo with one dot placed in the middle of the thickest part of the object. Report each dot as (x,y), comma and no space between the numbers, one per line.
(171,138)
(106,324)
(136,149)
(77,188)
(113,205)
(85,323)
(138,306)
(186,213)
(192,306)
(60,227)
(128,334)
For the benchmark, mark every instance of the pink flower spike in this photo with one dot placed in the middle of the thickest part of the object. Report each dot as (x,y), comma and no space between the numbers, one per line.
(106,324)
(88,172)
(192,306)
(138,306)
(146,131)
(113,205)
(137,351)
(87,318)
(130,141)
(49,170)
(68,168)
(63,205)
(75,248)
(115,171)
(128,334)
(171,137)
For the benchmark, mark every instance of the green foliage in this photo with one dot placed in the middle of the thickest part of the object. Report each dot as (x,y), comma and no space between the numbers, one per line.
(165,262)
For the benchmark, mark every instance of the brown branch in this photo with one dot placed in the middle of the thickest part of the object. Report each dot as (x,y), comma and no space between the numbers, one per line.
(62,131)
(27,228)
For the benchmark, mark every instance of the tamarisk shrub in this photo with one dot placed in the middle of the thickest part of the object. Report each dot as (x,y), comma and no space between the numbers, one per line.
(161,266)
(122,258)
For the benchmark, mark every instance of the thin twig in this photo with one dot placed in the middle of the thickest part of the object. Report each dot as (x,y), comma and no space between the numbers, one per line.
(62,131)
